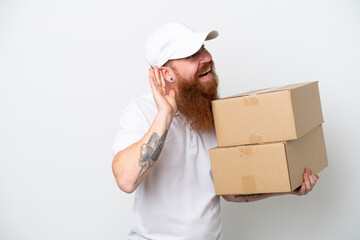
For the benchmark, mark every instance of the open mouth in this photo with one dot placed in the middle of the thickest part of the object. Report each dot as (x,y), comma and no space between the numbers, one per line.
(205,73)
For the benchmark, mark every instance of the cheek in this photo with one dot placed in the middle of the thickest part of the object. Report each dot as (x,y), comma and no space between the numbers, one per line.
(188,69)
(193,70)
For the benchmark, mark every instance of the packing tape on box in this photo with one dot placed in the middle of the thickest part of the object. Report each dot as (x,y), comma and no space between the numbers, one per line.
(251,98)
(244,151)
(249,184)
(256,138)
(253,93)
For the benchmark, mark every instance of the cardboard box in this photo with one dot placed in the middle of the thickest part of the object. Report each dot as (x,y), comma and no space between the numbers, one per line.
(267,115)
(269,167)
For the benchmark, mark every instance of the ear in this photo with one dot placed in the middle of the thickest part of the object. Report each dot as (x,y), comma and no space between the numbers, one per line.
(167,73)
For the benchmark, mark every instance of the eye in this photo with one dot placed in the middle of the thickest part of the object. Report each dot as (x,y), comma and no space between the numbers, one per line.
(202,48)
(192,56)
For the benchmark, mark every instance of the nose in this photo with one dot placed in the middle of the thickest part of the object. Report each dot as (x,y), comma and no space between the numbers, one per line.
(204,56)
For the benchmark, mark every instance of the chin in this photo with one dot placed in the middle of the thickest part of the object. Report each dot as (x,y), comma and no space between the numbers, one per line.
(206,83)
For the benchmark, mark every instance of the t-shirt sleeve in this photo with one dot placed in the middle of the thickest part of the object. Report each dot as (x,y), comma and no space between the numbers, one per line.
(132,126)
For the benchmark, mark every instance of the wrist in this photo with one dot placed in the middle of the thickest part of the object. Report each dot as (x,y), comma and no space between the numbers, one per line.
(165,117)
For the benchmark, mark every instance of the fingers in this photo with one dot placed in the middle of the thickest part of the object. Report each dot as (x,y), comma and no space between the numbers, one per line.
(162,80)
(307,180)
(302,190)
(310,180)
(157,76)
(172,93)
(159,79)
(153,83)
(313,178)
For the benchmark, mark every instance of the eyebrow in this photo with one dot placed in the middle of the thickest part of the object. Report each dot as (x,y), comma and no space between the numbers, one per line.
(196,52)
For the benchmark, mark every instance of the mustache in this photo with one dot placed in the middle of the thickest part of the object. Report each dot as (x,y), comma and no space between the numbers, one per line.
(205,67)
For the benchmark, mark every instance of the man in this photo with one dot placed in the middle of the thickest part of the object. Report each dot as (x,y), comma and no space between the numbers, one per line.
(163,138)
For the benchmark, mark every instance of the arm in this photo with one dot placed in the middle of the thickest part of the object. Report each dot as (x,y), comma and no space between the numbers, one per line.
(308,184)
(131,165)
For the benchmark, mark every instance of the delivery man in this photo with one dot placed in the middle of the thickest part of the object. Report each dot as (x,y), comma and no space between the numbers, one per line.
(163,138)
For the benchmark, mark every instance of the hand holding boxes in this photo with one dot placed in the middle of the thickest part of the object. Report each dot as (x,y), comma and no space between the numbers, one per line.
(266,139)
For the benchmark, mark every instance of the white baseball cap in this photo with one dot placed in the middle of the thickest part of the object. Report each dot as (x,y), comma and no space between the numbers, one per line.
(173,41)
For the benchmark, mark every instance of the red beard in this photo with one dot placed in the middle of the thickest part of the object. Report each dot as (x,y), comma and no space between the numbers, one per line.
(194,99)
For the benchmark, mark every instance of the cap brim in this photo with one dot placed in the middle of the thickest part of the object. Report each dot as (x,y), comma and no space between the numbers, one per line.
(193,43)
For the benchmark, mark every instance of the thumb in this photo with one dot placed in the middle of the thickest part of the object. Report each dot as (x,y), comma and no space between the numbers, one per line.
(172,93)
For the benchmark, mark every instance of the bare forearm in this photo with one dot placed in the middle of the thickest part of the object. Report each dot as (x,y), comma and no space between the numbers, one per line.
(250,197)
(131,165)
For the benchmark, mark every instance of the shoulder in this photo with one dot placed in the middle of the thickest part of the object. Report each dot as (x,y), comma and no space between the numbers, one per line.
(144,103)
(135,120)
(140,111)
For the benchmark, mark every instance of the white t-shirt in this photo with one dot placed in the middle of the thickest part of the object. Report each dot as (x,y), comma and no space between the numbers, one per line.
(177,200)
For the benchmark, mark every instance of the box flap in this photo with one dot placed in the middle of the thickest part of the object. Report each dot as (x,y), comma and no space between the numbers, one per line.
(267,90)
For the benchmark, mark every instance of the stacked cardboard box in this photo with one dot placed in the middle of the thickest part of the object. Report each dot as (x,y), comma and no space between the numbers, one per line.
(266,139)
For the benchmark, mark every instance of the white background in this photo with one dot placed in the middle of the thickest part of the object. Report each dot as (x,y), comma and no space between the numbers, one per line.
(67,68)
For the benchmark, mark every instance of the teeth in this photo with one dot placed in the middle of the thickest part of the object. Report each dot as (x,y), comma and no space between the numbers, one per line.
(206,71)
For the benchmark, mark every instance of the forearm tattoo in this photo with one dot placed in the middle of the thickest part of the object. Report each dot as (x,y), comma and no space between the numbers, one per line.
(149,153)
(247,195)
